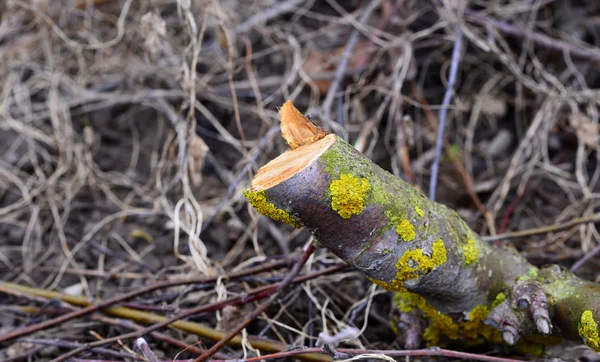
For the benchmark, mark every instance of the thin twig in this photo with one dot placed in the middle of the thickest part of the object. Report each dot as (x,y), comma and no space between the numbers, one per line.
(341,69)
(468,182)
(233,185)
(120,298)
(146,350)
(68,344)
(544,229)
(123,323)
(444,110)
(538,38)
(174,321)
(585,259)
(271,12)
(260,309)
(432,352)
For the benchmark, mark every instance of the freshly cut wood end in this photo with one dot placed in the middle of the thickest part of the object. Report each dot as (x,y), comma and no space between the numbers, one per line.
(307,142)
(290,163)
(296,128)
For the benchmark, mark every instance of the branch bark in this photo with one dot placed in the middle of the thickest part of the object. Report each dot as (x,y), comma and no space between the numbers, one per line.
(442,270)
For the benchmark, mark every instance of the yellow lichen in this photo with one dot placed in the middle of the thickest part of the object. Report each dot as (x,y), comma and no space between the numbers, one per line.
(258,199)
(588,330)
(395,285)
(432,335)
(471,330)
(473,327)
(500,298)
(394,327)
(406,230)
(470,251)
(531,275)
(348,194)
(140,234)
(528,347)
(414,261)
(420,211)
(535,344)
(438,322)
(533,272)
(379,283)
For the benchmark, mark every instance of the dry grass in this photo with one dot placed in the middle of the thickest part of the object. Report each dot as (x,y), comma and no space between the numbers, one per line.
(129,128)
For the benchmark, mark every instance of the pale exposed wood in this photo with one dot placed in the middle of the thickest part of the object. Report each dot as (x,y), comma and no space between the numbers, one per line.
(296,128)
(307,142)
(290,163)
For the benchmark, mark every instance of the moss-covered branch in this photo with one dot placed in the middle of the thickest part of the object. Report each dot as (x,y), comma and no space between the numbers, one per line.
(402,241)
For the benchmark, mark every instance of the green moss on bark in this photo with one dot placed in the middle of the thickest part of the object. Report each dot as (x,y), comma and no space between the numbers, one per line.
(336,164)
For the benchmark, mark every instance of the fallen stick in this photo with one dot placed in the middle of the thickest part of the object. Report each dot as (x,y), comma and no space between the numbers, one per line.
(404,242)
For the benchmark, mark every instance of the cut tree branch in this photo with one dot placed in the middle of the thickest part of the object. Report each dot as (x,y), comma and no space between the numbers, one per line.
(443,272)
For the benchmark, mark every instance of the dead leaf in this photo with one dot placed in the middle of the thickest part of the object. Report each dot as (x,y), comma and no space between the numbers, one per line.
(197,152)
(318,62)
(585,129)
(154,30)
(494,106)
(230,318)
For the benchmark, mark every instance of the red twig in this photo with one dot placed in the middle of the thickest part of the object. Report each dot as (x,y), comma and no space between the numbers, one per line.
(255,294)
(284,283)
(432,352)
(112,301)
(146,350)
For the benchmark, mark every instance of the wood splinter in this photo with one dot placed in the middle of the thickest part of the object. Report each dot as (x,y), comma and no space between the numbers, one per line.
(296,128)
